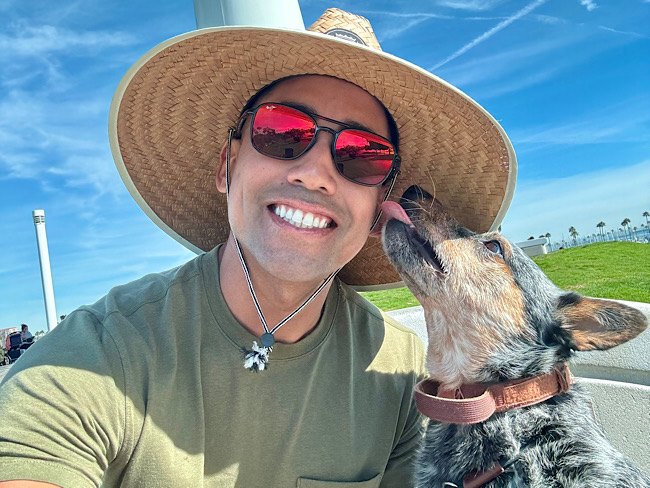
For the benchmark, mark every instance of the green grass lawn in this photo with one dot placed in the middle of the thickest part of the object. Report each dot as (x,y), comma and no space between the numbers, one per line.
(391,299)
(619,270)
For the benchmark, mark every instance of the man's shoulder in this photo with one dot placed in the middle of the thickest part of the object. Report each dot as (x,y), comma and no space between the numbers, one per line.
(153,288)
(373,325)
(374,314)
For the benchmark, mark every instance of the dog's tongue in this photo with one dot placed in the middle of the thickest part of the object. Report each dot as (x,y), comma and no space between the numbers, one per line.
(393,210)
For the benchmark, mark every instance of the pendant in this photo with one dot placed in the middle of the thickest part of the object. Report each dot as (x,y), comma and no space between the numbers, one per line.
(258,357)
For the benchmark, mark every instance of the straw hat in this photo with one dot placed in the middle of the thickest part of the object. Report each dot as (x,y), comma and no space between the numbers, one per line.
(172,110)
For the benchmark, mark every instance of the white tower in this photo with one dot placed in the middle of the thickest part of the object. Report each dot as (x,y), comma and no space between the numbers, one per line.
(46,272)
(264,13)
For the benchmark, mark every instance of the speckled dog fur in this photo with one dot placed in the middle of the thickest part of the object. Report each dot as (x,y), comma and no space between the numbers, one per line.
(492,315)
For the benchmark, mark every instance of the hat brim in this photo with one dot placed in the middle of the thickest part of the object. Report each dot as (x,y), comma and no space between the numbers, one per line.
(172,110)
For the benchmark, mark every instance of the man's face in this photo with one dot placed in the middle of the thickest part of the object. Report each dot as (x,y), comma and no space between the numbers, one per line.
(260,185)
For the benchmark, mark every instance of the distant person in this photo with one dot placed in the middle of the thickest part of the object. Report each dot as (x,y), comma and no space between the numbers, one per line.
(25,334)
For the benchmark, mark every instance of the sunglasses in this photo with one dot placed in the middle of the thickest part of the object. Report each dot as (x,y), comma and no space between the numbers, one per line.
(284,132)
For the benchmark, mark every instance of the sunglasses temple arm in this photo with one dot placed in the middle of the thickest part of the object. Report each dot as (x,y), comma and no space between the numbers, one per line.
(390,189)
(231,132)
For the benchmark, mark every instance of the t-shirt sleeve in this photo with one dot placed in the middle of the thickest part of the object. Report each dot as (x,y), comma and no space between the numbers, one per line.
(400,468)
(63,406)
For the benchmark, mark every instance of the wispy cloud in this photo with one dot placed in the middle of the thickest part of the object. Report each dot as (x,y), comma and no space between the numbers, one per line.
(625,33)
(57,140)
(549,19)
(40,40)
(590,5)
(486,35)
(619,123)
(530,62)
(553,205)
(469,4)
(7,5)
(501,64)
(534,76)
(406,15)
(397,30)
(400,22)
(39,57)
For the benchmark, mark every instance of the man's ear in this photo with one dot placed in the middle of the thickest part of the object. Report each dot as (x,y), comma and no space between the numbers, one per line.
(220,177)
(598,324)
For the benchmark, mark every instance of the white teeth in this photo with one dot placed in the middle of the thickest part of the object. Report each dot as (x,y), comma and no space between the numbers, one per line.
(297,217)
(300,219)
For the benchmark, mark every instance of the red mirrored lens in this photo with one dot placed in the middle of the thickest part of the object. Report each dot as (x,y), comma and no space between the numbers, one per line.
(363,157)
(281,132)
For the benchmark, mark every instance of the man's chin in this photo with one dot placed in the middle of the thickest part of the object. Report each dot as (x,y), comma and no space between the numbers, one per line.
(294,264)
(294,270)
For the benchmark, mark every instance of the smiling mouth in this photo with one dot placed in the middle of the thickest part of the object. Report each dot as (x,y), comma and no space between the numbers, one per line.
(300,219)
(425,250)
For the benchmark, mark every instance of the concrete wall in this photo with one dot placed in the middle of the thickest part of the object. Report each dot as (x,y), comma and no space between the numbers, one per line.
(618,379)
(534,247)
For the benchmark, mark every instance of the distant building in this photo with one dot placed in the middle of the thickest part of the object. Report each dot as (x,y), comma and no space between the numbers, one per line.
(534,247)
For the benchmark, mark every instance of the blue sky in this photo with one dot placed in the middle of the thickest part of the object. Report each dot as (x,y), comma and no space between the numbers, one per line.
(568,80)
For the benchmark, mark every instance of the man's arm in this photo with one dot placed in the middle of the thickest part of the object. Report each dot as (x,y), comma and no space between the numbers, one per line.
(63,408)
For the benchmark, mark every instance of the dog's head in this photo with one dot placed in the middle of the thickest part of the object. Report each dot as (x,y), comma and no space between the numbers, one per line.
(491,313)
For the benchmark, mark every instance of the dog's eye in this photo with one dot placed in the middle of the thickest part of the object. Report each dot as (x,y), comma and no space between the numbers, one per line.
(495,247)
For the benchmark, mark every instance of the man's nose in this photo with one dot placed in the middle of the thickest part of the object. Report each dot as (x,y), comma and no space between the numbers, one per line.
(315,169)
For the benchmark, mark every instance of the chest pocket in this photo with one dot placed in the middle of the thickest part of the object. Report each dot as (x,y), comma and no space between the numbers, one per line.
(308,483)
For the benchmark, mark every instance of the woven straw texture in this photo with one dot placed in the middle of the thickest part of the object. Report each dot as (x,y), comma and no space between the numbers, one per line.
(335,18)
(171,114)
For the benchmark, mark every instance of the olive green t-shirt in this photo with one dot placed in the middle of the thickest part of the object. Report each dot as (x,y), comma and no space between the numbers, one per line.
(146,388)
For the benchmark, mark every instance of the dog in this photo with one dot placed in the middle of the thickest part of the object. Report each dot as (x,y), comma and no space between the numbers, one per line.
(504,412)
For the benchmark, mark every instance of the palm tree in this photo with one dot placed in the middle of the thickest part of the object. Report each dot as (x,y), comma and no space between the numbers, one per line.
(601,225)
(646,214)
(573,233)
(625,224)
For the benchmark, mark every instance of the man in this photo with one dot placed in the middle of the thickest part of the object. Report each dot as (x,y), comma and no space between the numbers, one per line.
(254,365)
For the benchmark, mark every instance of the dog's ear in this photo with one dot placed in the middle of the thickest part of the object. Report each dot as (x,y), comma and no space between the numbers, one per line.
(598,324)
